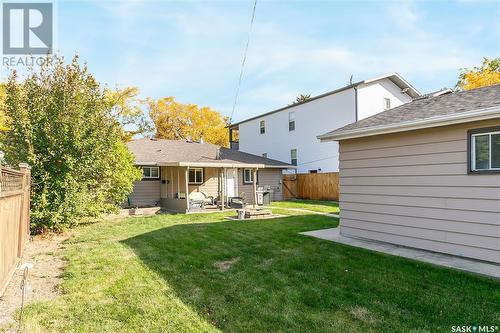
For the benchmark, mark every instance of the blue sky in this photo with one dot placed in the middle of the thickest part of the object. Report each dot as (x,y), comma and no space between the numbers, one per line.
(193,49)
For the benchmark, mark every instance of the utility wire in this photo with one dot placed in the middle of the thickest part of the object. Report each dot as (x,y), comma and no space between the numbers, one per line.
(321,159)
(243,62)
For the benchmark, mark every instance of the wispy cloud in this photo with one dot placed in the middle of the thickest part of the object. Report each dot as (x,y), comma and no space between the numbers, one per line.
(193,49)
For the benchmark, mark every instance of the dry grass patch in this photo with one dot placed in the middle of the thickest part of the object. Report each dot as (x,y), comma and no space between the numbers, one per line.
(225,265)
(363,314)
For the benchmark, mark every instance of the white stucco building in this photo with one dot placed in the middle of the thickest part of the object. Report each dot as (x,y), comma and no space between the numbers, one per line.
(289,134)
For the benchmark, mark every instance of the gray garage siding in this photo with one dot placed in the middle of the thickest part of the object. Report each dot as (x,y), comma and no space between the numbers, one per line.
(412,188)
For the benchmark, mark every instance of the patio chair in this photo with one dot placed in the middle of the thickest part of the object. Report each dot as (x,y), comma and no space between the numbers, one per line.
(200,198)
(208,198)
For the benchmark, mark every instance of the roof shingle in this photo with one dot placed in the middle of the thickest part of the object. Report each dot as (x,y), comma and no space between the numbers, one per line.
(173,151)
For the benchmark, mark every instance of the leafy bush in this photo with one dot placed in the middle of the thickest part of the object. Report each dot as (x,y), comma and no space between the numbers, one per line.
(61,123)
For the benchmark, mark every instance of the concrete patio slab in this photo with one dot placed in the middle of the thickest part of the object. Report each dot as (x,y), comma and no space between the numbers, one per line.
(463,264)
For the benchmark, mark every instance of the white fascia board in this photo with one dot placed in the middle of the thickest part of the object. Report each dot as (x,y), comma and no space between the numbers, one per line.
(146,163)
(215,165)
(221,165)
(281,167)
(392,76)
(168,163)
(471,116)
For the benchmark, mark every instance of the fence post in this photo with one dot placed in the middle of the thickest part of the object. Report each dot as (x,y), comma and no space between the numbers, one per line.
(24,227)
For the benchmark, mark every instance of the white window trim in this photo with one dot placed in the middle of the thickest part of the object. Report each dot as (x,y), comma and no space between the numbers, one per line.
(245,181)
(262,127)
(473,151)
(202,176)
(385,103)
(296,157)
(150,168)
(291,120)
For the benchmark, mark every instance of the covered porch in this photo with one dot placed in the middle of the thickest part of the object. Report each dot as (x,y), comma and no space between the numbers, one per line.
(201,187)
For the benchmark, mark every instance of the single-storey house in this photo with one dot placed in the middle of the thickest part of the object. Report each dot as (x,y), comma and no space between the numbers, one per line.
(425,174)
(183,176)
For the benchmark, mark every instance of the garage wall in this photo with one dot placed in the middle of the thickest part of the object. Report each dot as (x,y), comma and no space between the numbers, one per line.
(413,189)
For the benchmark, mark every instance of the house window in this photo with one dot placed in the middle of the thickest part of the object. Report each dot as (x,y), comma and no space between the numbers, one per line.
(248,176)
(150,172)
(293,157)
(484,150)
(196,176)
(262,126)
(387,103)
(291,121)
(264,155)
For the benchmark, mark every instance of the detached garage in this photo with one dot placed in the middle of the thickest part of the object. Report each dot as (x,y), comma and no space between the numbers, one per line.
(425,174)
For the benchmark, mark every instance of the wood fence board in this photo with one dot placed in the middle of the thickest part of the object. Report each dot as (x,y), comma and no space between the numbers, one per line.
(14,220)
(313,186)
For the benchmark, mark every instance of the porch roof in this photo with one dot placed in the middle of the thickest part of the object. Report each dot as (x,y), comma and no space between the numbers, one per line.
(161,152)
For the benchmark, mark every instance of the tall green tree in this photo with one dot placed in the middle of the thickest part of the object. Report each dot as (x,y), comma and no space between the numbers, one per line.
(60,121)
(3,117)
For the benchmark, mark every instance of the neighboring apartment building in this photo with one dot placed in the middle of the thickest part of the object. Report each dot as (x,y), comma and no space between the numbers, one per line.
(289,134)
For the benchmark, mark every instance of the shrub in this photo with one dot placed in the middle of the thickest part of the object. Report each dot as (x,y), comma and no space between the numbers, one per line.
(60,122)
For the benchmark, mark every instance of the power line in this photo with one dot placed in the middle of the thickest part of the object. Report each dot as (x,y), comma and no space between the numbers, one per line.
(321,159)
(243,62)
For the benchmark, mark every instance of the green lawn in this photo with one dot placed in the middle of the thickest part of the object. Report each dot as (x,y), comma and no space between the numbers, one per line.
(313,205)
(203,273)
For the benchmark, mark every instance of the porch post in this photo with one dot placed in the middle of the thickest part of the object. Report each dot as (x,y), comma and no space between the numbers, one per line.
(219,189)
(254,188)
(187,188)
(223,190)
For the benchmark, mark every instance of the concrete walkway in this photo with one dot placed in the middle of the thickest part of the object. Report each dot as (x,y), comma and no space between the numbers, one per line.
(305,211)
(468,265)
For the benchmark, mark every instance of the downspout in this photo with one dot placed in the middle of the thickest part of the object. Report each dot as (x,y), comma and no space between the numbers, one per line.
(355,103)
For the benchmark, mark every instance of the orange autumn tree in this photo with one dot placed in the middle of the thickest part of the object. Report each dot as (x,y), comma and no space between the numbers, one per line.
(487,74)
(178,121)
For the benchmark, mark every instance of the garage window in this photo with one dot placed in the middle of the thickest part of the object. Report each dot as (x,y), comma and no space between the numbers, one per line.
(484,150)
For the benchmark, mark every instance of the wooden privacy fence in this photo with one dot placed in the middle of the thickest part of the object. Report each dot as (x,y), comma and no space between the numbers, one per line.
(14,219)
(314,186)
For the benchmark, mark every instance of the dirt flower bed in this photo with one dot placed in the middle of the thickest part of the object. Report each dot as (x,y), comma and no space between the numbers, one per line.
(43,252)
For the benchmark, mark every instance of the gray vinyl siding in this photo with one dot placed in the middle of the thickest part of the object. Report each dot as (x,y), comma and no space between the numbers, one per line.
(145,193)
(413,189)
(267,177)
